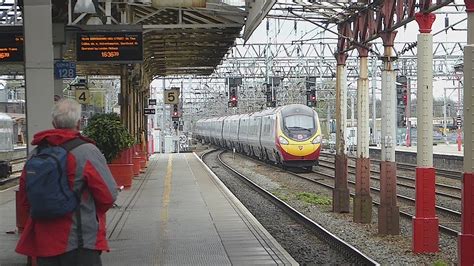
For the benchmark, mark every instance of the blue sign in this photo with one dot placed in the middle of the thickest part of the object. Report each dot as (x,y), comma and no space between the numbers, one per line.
(64,70)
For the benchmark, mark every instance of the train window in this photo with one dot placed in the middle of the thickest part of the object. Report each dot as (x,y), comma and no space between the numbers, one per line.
(298,122)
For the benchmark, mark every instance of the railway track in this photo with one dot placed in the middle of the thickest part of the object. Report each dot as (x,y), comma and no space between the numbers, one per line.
(455,192)
(456,175)
(447,216)
(407,215)
(323,234)
(404,214)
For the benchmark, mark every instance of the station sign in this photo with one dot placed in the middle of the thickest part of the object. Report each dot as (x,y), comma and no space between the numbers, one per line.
(64,70)
(118,46)
(11,47)
(149,111)
(172,96)
(83,96)
(151,101)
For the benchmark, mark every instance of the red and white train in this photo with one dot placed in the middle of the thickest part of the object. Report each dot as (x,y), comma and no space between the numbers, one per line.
(289,135)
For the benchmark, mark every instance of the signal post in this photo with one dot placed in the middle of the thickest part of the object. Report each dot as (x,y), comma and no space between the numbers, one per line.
(466,237)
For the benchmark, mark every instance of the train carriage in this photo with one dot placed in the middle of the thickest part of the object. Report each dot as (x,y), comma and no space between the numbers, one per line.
(288,135)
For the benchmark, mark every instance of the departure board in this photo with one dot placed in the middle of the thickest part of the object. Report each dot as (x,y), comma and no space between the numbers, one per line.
(11,47)
(123,47)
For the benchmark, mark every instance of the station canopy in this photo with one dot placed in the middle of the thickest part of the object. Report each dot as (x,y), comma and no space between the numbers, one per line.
(179,37)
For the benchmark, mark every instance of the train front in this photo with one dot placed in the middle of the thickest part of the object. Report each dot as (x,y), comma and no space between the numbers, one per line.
(298,136)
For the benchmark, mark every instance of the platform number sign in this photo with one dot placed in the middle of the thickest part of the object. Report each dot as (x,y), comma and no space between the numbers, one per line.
(83,96)
(64,70)
(172,96)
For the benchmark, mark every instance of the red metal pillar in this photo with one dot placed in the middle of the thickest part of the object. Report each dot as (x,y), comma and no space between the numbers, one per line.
(425,222)
(466,237)
(388,214)
(362,198)
(340,195)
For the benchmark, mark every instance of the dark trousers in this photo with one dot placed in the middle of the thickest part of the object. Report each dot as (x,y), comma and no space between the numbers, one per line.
(76,257)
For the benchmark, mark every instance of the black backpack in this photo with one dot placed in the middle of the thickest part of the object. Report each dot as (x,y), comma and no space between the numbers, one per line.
(47,186)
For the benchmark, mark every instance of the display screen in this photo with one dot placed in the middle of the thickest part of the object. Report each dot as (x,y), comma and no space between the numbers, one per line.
(110,47)
(11,47)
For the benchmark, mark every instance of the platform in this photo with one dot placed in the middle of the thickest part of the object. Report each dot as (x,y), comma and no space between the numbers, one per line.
(177,213)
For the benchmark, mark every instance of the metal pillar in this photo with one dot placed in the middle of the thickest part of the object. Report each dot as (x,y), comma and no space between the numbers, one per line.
(362,198)
(408,113)
(340,196)
(388,218)
(425,222)
(466,237)
(374,101)
(39,76)
(123,96)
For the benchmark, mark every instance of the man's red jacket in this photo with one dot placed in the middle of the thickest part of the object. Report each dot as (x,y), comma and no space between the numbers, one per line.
(86,167)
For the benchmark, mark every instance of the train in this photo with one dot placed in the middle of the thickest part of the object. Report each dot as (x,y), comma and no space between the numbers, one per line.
(289,135)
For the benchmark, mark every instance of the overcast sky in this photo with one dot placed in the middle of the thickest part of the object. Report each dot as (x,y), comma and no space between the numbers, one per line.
(282,31)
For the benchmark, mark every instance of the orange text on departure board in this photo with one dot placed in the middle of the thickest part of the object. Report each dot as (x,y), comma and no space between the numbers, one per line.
(6,52)
(108,46)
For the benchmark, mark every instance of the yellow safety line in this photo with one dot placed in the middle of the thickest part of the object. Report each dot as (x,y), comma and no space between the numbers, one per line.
(166,196)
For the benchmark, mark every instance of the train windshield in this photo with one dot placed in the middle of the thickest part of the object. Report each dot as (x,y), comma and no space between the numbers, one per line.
(299,122)
(299,127)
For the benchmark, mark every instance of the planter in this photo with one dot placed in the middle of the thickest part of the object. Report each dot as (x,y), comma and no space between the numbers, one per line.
(122,173)
(136,165)
(125,157)
(143,162)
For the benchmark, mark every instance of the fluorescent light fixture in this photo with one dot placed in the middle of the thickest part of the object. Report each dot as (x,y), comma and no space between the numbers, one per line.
(85,6)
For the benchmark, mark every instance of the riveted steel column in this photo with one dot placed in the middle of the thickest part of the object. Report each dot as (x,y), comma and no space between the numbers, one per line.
(425,222)
(340,196)
(39,75)
(362,198)
(388,218)
(466,237)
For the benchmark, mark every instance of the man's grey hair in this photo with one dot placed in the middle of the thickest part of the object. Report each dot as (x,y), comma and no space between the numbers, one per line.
(66,113)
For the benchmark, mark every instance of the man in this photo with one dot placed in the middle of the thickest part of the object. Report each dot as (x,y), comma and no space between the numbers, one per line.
(57,241)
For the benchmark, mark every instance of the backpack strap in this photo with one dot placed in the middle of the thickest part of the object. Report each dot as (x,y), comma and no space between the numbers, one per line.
(72,144)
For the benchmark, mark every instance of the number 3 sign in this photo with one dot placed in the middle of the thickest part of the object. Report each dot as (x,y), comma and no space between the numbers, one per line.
(83,96)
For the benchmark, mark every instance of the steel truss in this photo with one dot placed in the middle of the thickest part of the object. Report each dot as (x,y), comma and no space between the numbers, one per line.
(317,59)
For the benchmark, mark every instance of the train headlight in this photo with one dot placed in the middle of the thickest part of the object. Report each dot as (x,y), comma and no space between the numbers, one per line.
(283,140)
(317,140)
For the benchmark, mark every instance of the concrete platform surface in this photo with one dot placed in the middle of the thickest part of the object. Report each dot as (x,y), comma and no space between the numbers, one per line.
(176,213)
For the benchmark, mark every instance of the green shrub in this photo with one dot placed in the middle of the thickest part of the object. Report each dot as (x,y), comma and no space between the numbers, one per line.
(110,135)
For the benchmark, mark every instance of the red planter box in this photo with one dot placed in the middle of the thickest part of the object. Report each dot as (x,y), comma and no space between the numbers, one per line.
(125,157)
(122,173)
(136,165)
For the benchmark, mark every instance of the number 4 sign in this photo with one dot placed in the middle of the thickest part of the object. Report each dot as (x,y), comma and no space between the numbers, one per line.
(83,96)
